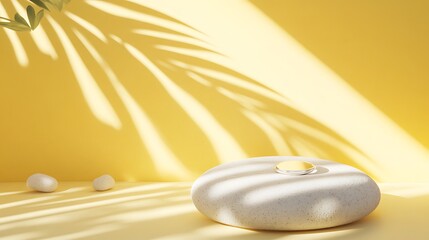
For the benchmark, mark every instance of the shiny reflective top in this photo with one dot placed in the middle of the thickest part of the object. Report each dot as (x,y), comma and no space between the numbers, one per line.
(295,167)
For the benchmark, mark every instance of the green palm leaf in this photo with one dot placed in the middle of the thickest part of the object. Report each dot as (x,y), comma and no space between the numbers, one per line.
(31,14)
(33,18)
(40,4)
(39,17)
(20,24)
(15,26)
(21,20)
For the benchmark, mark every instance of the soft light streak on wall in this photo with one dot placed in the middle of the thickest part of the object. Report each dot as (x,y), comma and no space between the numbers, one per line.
(199,79)
(272,133)
(174,37)
(126,13)
(39,35)
(97,101)
(168,166)
(227,78)
(249,110)
(315,90)
(42,42)
(18,48)
(88,26)
(224,144)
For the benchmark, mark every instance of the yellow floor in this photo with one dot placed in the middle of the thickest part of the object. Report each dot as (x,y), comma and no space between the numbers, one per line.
(165,211)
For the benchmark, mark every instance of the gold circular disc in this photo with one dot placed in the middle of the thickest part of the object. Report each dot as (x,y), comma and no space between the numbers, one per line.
(295,167)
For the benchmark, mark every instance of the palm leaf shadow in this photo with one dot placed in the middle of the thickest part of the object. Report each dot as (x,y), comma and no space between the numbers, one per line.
(199,96)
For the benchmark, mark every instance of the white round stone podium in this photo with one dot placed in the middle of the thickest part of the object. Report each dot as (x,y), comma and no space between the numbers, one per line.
(260,193)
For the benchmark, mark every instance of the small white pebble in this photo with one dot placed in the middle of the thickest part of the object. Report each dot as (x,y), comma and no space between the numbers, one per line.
(103,183)
(42,183)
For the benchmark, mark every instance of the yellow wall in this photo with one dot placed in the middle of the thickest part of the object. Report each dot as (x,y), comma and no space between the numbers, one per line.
(378,47)
(165,90)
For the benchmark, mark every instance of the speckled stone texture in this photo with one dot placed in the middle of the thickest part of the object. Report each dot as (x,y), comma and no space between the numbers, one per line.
(251,194)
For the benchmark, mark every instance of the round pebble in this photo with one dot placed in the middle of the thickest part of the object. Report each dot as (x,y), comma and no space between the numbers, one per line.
(103,183)
(251,194)
(42,183)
